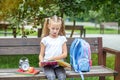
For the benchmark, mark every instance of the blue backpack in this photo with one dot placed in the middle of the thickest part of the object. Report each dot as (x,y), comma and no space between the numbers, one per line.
(80,56)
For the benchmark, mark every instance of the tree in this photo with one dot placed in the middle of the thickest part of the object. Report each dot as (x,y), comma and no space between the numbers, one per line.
(26,10)
(8,7)
(37,10)
(111,10)
(71,8)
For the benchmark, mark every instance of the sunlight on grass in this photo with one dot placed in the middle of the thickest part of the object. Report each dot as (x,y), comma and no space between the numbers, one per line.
(93,30)
(89,30)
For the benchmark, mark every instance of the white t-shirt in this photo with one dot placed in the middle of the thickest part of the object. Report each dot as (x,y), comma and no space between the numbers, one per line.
(53,46)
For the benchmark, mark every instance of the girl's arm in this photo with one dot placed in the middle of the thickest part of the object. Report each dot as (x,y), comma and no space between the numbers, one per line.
(42,51)
(63,55)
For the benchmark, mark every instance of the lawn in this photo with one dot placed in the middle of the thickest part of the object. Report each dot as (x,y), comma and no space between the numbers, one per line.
(89,30)
(93,30)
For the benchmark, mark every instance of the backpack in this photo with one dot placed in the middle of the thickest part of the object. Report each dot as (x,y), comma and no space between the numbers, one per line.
(80,56)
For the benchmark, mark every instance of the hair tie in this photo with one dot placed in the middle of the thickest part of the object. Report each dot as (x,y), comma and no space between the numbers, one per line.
(55,18)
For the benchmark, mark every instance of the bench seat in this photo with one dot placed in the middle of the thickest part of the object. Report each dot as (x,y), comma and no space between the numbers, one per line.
(95,71)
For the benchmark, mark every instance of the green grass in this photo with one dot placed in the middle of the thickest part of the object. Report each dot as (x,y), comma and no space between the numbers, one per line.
(12,61)
(89,30)
(93,30)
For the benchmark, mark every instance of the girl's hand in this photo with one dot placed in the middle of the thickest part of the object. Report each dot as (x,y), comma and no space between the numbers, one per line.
(41,65)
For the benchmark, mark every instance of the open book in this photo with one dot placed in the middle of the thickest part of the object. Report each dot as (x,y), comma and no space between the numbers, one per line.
(63,63)
(51,63)
(56,62)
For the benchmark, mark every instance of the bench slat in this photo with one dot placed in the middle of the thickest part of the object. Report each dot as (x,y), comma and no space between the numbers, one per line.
(5,42)
(12,46)
(95,71)
(19,50)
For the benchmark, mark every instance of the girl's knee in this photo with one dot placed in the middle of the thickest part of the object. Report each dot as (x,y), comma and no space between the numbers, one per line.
(51,77)
(62,77)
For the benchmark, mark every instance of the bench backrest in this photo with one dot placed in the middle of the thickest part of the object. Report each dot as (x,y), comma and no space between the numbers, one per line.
(77,27)
(18,46)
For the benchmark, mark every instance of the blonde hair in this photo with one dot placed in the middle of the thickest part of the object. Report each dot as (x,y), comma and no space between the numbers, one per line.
(58,20)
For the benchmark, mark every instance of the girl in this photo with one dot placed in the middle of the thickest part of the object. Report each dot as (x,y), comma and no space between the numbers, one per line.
(53,47)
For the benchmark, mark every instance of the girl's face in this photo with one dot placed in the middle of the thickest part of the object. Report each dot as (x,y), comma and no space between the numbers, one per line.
(54,28)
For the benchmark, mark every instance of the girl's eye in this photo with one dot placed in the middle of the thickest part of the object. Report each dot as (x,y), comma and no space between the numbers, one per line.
(53,28)
(57,29)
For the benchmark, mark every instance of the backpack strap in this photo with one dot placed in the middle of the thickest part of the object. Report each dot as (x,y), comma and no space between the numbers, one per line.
(73,50)
(81,74)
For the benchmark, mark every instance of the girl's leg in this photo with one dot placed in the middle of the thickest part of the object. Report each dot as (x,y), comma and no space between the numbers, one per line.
(60,73)
(49,72)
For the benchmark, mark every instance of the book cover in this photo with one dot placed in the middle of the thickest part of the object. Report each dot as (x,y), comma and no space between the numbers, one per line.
(50,63)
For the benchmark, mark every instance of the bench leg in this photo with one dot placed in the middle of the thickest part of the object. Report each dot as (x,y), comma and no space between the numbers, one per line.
(14,32)
(81,32)
(102,78)
(84,32)
(101,29)
(117,67)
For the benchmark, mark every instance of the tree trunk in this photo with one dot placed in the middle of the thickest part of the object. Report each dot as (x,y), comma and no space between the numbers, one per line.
(73,28)
(118,27)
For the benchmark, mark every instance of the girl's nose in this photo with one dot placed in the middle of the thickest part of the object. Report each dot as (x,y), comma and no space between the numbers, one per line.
(55,30)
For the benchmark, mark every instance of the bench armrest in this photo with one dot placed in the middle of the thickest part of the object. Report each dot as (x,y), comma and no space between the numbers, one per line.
(117,58)
(111,51)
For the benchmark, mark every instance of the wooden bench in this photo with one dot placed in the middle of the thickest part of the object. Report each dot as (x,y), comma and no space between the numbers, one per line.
(22,46)
(110,24)
(4,27)
(77,27)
